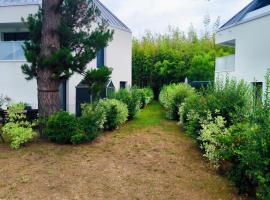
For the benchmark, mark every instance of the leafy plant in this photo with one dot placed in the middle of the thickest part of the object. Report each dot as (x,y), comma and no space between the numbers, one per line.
(62,128)
(91,122)
(212,130)
(146,95)
(97,80)
(116,112)
(18,131)
(131,98)
(172,96)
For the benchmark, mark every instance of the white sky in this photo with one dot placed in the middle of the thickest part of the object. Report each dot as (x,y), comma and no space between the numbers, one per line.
(156,15)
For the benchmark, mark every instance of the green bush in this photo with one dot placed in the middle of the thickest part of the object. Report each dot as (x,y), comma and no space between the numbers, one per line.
(248,150)
(131,98)
(232,129)
(148,96)
(18,131)
(172,96)
(233,99)
(91,122)
(115,111)
(62,127)
(191,112)
(213,129)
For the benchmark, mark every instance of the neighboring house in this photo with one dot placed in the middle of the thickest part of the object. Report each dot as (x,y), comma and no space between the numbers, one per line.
(249,33)
(12,34)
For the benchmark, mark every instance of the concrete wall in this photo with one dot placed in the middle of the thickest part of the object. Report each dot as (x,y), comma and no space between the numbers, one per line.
(252,53)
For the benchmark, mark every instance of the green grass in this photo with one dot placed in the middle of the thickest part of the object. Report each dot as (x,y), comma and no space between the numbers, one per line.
(152,115)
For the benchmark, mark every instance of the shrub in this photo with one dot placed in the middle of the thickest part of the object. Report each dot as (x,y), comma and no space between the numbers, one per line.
(232,128)
(147,96)
(62,128)
(18,131)
(91,121)
(233,99)
(213,129)
(115,111)
(131,98)
(248,151)
(172,96)
(191,112)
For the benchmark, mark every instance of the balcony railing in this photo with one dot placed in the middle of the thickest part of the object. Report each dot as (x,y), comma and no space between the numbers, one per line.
(11,51)
(225,64)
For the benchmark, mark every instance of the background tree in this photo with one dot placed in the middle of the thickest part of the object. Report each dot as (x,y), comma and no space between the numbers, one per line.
(65,35)
(160,59)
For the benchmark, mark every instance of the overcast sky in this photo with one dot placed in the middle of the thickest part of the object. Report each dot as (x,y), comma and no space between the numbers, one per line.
(156,15)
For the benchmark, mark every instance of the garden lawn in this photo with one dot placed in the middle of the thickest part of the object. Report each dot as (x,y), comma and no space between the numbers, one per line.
(148,158)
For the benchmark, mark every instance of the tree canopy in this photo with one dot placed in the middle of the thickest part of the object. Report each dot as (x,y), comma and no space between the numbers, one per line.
(160,59)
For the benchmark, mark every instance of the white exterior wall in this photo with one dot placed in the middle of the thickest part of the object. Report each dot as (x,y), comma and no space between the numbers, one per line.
(118,55)
(252,49)
(14,14)
(14,85)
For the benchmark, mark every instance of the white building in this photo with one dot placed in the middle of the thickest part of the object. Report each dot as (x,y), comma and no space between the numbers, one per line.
(249,33)
(12,34)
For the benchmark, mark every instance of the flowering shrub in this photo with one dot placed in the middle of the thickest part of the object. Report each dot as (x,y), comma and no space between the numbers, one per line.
(18,131)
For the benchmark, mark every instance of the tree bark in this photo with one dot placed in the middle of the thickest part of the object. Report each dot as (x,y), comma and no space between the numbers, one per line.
(48,89)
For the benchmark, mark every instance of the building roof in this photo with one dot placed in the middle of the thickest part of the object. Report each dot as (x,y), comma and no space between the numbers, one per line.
(110,17)
(105,12)
(254,10)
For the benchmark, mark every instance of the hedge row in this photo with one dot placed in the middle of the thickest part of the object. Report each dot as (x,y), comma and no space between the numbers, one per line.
(232,128)
(106,114)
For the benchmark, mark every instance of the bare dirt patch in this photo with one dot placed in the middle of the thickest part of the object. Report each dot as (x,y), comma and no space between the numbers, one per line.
(151,160)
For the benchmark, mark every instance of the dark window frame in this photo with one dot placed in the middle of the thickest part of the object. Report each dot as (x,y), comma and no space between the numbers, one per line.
(15,36)
(123,84)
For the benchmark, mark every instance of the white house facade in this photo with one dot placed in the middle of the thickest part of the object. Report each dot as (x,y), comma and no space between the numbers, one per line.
(248,32)
(13,84)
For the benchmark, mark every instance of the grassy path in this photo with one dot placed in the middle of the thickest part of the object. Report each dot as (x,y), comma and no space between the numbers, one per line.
(148,159)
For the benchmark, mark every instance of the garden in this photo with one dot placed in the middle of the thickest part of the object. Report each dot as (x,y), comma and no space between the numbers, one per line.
(146,158)
(127,145)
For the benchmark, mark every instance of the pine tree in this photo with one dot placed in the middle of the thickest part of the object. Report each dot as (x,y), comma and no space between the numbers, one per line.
(65,35)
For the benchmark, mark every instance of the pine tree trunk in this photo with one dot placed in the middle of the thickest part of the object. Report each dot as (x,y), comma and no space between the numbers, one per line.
(48,89)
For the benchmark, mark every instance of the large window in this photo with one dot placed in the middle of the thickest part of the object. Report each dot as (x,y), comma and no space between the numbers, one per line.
(16,36)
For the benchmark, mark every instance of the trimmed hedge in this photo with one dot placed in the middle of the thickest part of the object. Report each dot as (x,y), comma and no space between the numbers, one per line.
(106,114)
